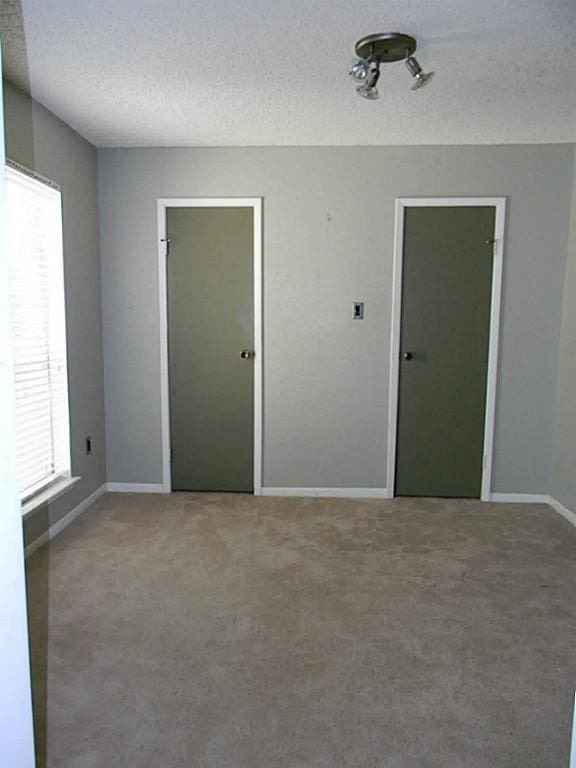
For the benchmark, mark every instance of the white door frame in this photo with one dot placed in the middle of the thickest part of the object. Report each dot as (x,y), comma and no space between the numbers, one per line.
(210,202)
(499,203)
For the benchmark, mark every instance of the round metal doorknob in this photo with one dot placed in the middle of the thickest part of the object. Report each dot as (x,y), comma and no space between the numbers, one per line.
(245,354)
(407,355)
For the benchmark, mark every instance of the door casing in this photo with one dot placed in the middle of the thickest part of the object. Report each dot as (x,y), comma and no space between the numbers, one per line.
(499,203)
(210,202)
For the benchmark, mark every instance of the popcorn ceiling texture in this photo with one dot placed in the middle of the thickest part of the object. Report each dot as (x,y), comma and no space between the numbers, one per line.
(197,73)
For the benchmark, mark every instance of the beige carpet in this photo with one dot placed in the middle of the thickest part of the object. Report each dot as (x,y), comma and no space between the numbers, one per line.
(225,631)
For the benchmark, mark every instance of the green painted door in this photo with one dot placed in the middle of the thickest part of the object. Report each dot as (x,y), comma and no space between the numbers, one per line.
(210,324)
(444,340)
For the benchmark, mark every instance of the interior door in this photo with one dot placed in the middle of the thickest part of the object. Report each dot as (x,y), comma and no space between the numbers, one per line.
(210,347)
(444,342)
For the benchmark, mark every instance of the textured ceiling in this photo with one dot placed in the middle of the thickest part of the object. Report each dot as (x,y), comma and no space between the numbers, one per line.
(271,72)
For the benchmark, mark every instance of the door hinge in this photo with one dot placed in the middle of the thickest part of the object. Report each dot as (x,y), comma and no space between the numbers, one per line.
(167,241)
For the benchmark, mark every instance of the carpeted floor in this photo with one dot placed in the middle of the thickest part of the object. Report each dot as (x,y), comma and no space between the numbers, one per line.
(226,631)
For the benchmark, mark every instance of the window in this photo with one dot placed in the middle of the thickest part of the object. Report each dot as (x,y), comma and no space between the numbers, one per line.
(36,290)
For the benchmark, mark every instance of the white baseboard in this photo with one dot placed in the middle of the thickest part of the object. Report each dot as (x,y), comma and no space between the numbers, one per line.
(520,498)
(562,510)
(65,521)
(342,493)
(339,493)
(535,498)
(135,487)
(573,748)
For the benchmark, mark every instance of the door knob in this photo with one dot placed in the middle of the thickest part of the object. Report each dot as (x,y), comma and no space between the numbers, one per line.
(246,354)
(407,355)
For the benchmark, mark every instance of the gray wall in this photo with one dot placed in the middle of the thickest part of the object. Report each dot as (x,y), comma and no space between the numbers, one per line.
(39,140)
(564,453)
(328,224)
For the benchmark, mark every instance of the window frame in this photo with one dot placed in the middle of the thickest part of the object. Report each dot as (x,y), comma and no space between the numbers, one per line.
(59,481)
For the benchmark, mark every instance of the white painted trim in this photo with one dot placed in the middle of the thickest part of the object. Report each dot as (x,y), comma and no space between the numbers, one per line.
(258,349)
(499,203)
(338,493)
(135,487)
(535,498)
(163,316)
(49,494)
(567,515)
(395,346)
(211,202)
(493,347)
(519,498)
(573,748)
(65,521)
(444,202)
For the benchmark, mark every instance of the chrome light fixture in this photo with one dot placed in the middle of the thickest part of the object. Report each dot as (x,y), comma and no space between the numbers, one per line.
(374,50)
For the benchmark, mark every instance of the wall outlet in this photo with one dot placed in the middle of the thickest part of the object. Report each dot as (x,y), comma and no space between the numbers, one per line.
(88,446)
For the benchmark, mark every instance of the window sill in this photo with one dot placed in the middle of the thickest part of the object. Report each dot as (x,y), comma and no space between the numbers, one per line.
(48,495)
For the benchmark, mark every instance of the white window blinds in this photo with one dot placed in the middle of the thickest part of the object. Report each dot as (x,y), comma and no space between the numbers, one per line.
(36,284)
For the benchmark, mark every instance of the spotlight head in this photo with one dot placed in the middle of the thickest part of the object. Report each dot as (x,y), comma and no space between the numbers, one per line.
(368,92)
(359,69)
(368,89)
(421,78)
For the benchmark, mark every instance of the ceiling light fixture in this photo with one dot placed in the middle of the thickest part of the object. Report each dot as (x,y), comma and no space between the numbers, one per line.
(374,50)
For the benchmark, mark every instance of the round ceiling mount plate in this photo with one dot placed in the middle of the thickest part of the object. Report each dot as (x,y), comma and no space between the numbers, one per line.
(388,46)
